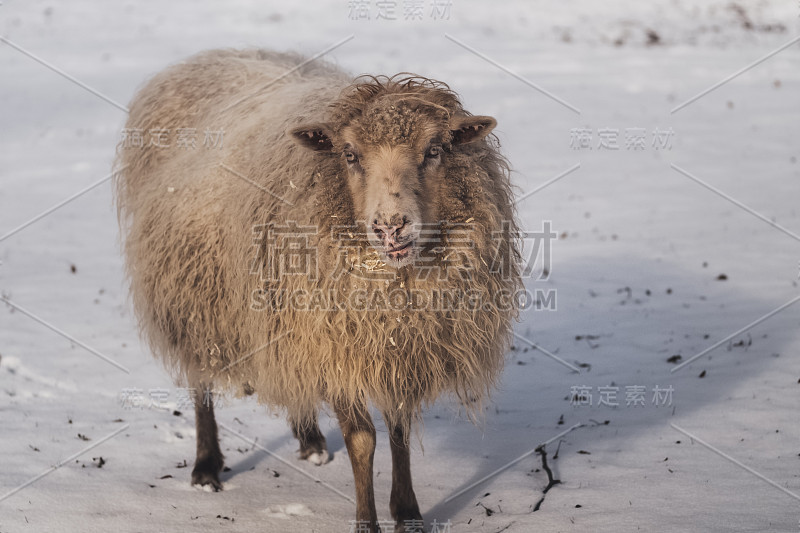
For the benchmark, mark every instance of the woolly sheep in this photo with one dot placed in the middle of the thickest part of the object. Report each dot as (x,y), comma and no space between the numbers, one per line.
(346,243)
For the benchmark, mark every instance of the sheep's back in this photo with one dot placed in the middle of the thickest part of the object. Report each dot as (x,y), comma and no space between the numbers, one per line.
(189,214)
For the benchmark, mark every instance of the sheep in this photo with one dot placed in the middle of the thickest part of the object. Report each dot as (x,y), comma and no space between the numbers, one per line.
(396,200)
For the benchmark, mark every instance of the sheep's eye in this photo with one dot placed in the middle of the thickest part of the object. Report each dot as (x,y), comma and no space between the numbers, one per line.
(434,151)
(350,156)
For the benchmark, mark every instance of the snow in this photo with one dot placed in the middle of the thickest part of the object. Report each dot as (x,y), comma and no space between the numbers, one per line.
(635,269)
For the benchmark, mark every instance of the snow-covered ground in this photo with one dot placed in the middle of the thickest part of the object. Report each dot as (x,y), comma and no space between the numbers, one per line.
(649,264)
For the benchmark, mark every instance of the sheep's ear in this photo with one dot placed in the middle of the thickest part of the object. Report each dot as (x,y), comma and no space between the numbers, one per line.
(312,136)
(470,129)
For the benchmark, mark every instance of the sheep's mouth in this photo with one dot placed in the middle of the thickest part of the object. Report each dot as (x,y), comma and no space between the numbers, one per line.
(399,255)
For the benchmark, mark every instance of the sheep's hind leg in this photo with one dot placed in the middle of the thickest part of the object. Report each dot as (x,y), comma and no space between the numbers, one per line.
(313,447)
(209,460)
(403,502)
(359,438)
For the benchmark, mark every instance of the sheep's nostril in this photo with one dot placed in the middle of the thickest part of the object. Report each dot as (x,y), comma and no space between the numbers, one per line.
(393,232)
(387,234)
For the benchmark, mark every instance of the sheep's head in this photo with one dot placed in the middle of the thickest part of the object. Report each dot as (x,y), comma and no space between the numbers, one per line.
(395,154)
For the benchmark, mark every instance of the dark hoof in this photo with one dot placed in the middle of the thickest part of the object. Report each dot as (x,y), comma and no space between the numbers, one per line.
(202,479)
(206,473)
(316,458)
(315,451)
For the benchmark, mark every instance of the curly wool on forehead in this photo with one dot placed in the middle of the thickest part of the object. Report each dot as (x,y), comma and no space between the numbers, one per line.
(400,121)
(418,102)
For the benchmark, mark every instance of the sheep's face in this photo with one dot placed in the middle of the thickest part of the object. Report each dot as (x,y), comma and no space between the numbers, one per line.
(395,156)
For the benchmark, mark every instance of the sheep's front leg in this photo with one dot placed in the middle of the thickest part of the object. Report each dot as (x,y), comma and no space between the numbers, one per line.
(359,438)
(209,461)
(403,502)
(313,447)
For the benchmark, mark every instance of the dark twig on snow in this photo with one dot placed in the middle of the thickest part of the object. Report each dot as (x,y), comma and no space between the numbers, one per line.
(551,482)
